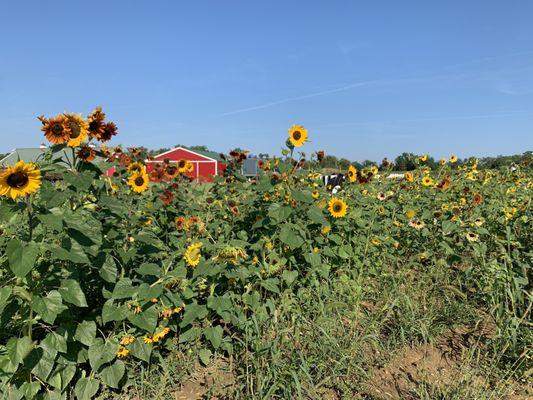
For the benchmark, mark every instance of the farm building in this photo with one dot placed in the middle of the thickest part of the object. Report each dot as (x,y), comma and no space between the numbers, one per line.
(206,163)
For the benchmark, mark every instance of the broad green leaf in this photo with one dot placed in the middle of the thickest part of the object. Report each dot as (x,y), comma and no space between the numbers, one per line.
(112,375)
(111,312)
(108,272)
(71,292)
(289,277)
(146,319)
(30,389)
(192,312)
(54,341)
(271,284)
(52,221)
(290,237)
(101,353)
(205,356)
(86,332)
(149,269)
(49,307)
(141,350)
(18,349)
(124,289)
(214,334)
(86,388)
(21,257)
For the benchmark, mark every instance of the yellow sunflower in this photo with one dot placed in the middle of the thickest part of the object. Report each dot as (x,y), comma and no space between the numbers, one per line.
(315,194)
(182,166)
(122,352)
(442,161)
(423,157)
(138,181)
(55,129)
(136,167)
(189,166)
(408,176)
(427,181)
(453,159)
(193,254)
(19,180)
(297,135)
(337,207)
(352,174)
(78,129)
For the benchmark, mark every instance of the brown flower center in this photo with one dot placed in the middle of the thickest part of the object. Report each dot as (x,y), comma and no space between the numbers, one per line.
(337,207)
(296,135)
(139,181)
(17,179)
(74,129)
(57,129)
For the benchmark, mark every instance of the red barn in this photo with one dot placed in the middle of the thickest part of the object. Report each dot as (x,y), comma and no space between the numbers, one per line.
(206,163)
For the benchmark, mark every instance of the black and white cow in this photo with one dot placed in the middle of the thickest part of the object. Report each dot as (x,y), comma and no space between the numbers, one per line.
(333,182)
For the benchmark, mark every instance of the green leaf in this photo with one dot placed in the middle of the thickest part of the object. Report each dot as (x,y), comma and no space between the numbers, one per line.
(302,195)
(291,238)
(124,289)
(141,350)
(71,292)
(205,356)
(316,215)
(111,312)
(86,332)
(21,258)
(192,312)
(5,294)
(43,361)
(101,353)
(271,284)
(108,272)
(149,269)
(146,319)
(289,277)
(112,375)
(30,389)
(18,349)
(49,307)
(52,221)
(86,388)
(81,182)
(279,213)
(70,251)
(54,341)
(214,334)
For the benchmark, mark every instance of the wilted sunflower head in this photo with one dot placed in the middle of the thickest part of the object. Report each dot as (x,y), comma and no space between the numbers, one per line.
(337,207)
(167,197)
(19,180)
(86,153)
(193,254)
(297,135)
(180,223)
(77,128)
(55,129)
(477,199)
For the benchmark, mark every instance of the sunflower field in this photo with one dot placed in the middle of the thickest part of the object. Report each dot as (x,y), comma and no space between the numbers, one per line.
(104,278)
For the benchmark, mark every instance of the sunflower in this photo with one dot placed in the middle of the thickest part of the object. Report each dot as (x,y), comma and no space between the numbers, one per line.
(442,161)
(182,166)
(352,174)
(171,171)
(138,181)
(337,207)
(193,254)
(472,237)
(297,135)
(109,130)
(86,153)
(417,224)
(136,167)
(375,241)
(78,129)
(423,157)
(477,199)
(167,197)
(453,159)
(315,194)
(381,196)
(444,184)
(410,214)
(325,230)
(126,340)
(55,129)
(189,167)
(479,221)
(96,124)
(181,223)
(19,180)
(122,352)
(427,181)
(408,176)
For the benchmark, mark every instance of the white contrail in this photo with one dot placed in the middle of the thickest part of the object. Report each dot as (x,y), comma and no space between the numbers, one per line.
(305,96)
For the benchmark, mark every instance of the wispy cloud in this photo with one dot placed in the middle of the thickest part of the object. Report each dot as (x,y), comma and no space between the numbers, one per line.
(295,98)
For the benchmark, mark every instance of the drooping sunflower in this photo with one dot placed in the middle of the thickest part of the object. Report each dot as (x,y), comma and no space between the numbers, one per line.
(337,207)
(86,153)
(96,123)
(352,174)
(427,181)
(55,129)
(193,254)
(136,167)
(408,176)
(19,180)
(297,135)
(138,182)
(78,129)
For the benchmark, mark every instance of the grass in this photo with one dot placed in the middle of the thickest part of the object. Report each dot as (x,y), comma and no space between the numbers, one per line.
(328,341)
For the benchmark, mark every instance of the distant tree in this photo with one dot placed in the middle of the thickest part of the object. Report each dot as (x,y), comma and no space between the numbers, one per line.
(405,162)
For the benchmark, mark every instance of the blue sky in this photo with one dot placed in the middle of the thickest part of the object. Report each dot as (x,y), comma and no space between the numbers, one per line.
(368,79)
